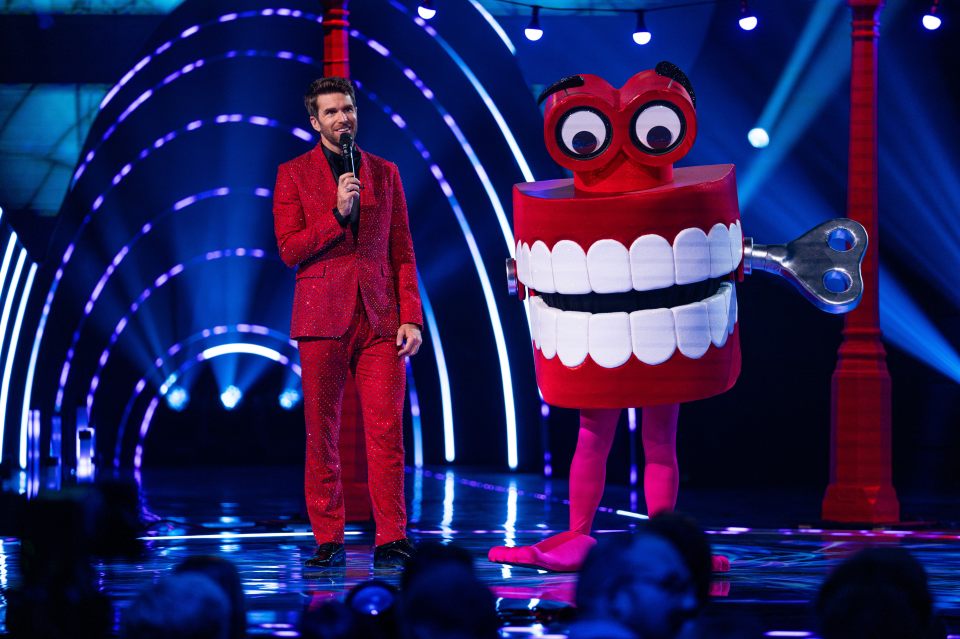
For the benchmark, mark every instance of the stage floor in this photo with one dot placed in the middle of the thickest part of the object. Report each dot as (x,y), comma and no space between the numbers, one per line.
(253,517)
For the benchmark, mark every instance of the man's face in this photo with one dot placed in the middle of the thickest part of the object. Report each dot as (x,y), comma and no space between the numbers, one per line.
(659,599)
(336,115)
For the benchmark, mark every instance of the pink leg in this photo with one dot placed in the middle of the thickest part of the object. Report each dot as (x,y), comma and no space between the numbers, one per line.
(588,470)
(661,476)
(566,551)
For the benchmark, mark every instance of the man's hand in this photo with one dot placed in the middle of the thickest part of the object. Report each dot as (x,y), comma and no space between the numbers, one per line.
(409,337)
(348,190)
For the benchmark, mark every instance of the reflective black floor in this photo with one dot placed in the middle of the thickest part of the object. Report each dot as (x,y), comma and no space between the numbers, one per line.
(253,517)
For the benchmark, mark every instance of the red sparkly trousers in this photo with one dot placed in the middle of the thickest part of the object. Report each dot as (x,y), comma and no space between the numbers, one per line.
(380,380)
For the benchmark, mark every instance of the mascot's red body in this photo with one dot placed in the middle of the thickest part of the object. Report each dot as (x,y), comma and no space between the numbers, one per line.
(631,271)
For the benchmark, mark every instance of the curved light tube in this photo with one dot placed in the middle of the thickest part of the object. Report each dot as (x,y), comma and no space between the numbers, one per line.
(11,355)
(216,351)
(159,364)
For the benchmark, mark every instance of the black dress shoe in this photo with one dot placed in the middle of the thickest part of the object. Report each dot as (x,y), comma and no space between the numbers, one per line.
(395,554)
(328,555)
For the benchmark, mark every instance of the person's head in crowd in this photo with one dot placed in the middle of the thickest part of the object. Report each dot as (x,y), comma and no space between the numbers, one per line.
(443,599)
(179,606)
(223,573)
(641,583)
(878,593)
(688,539)
(332,620)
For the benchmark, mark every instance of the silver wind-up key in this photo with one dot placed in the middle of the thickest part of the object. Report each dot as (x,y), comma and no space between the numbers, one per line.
(512,286)
(823,263)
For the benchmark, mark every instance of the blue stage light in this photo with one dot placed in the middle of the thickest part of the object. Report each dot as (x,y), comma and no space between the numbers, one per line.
(289,398)
(426,10)
(758,137)
(749,23)
(178,398)
(230,397)
(931,22)
(748,20)
(533,30)
(641,34)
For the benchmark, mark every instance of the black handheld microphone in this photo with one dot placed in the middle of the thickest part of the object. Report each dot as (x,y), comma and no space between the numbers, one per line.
(346,149)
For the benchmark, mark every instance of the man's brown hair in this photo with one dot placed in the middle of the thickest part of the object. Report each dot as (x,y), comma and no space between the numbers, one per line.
(322,86)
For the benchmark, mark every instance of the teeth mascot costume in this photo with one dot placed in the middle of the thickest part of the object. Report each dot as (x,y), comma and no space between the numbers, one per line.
(631,270)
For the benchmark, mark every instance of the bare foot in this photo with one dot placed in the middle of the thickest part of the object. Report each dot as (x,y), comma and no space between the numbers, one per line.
(564,552)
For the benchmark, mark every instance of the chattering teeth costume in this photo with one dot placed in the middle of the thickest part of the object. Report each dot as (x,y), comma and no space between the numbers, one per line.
(631,270)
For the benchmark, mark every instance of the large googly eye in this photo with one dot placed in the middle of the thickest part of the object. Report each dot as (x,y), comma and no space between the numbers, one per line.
(658,127)
(583,133)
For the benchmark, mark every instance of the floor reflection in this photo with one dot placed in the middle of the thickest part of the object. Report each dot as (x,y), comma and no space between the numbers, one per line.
(254,518)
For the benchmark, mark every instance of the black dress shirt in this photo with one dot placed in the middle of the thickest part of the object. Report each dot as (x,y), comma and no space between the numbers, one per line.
(337,168)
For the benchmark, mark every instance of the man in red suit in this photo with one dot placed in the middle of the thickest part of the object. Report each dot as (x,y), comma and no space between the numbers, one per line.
(356,307)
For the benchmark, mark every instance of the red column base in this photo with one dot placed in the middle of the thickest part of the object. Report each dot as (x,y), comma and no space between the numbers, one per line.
(861,504)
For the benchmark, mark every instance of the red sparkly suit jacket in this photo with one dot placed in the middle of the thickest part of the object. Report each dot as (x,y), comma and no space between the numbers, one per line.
(332,263)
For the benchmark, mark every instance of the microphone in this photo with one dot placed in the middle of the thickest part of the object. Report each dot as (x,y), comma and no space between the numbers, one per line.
(346,148)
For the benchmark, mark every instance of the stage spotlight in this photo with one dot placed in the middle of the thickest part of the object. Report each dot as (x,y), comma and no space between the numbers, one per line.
(533,30)
(758,138)
(931,21)
(231,397)
(748,21)
(426,9)
(178,398)
(641,35)
(289,398)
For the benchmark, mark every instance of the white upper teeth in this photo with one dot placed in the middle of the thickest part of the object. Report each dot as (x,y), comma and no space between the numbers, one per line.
(608,267)
(542,276)
(650,262)
(570,268)
(651,335)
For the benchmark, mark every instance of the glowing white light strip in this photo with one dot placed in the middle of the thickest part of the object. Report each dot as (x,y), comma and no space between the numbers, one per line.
(6,259)
(496,26)
(487,184)
(27,394)
(510,525)
(487,100)
(449,485)
(14,339)
(505,374)
(632,515)
(446,401)
(241,347)
(11,290)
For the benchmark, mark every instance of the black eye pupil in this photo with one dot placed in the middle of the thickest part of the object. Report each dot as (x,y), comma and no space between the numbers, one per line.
(584,142)
(659,138)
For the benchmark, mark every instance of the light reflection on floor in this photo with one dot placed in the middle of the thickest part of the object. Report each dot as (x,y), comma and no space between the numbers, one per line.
(253,517)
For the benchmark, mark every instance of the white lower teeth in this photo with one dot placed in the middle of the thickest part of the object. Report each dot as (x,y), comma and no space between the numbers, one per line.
(651,335)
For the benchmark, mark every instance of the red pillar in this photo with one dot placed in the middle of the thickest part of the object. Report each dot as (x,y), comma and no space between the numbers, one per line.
(861,487)
(336,30)
(353,459)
